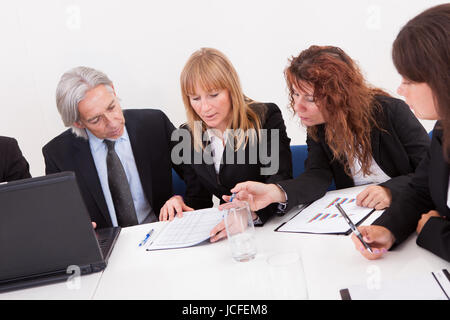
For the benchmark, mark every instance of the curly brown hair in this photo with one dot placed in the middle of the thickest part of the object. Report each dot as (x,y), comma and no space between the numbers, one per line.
(345,100)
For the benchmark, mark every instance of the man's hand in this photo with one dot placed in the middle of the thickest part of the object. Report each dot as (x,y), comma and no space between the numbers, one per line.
(173,207)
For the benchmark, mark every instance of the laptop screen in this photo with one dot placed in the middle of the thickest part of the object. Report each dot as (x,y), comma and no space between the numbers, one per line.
(44,227)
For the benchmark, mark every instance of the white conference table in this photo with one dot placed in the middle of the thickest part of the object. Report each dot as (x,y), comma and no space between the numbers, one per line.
(332,263)
(327,264)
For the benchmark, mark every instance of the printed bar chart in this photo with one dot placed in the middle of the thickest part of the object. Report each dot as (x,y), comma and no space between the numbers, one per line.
(325,216)
(341,201)
(322,216)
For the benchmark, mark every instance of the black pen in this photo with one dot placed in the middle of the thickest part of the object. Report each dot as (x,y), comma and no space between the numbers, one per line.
(353,227)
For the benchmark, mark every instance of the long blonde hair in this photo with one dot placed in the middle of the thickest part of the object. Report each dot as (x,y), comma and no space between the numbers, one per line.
(211,70)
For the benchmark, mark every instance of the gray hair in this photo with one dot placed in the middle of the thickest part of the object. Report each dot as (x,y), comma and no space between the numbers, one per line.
(72,88)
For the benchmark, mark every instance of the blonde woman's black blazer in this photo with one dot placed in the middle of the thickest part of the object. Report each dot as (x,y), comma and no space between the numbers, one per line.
(201,179)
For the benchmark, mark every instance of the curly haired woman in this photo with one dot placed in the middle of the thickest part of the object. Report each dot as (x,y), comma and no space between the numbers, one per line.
(357,135)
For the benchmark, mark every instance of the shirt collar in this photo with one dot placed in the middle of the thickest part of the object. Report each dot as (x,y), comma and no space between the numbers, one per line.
(213,138)
(97,142)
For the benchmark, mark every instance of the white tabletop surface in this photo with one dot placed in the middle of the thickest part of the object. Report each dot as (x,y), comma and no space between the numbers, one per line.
(327,263)
(205,271)
(331,263)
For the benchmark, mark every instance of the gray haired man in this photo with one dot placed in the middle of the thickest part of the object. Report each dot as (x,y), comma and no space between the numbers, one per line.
(121,158)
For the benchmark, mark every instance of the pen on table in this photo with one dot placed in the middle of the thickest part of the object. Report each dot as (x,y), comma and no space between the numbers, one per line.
(353,227)
(147,236)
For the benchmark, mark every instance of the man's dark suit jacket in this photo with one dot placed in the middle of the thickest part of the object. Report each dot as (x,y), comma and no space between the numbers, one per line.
(398,149)
(13,165)
(427,191)
(149,131)
(202,181)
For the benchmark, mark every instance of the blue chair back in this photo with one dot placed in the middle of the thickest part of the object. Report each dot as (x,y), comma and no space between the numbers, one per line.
(179,187)
(299,155)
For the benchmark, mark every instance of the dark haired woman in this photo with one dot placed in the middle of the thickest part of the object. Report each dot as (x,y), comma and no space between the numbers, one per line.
(356,135)
(421,54)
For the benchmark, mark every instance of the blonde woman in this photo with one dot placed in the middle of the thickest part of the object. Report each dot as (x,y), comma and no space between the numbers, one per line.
(232,138)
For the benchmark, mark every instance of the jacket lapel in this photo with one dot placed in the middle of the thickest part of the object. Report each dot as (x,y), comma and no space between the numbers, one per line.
(439,172)
(207,160)
(89,175)
(224,159)
(341,180)
(142,153)
(375,144)
(384,163)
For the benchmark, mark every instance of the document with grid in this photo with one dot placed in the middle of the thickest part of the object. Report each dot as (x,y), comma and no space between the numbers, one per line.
(193,228)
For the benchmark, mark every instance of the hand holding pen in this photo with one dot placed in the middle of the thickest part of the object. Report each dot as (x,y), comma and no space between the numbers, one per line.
(379,238)
(353,227)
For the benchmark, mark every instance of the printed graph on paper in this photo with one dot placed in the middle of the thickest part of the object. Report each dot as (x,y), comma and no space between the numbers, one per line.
(322,216)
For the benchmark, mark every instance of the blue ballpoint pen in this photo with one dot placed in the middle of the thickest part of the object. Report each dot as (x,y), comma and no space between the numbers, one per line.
(232,197)
(147,236)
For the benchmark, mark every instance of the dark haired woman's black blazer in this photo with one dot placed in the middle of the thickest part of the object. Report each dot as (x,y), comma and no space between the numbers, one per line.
(398,149)
(13,165)
(427,191)
(202,181)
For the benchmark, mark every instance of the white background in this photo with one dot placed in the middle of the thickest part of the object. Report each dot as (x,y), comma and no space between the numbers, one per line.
(143,45)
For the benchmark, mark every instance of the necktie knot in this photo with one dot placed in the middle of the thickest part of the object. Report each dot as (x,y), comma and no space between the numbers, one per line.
(109,144)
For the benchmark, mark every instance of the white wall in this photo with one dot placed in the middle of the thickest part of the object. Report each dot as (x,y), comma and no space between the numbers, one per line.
(143,45)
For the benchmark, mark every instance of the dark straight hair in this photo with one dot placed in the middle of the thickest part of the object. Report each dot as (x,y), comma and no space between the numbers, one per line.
(421,53)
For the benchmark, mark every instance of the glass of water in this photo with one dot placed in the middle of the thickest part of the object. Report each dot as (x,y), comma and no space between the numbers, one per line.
(240,230)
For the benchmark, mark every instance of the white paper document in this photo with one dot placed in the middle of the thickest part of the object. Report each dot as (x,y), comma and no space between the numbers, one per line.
(433,286)
(193,228)
(322,216)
